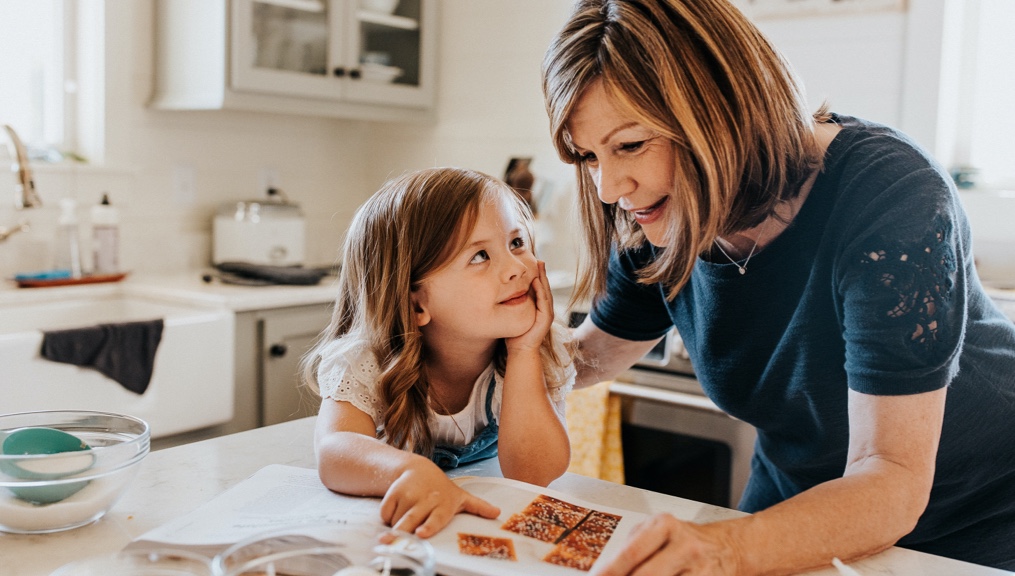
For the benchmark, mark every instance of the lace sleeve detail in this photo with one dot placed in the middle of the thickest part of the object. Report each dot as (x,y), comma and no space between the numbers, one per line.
(349,372)
(915,283)
(565,376)
(904,311)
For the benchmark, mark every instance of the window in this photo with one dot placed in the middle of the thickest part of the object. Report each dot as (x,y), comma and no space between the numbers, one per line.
(986,145)
(37,92)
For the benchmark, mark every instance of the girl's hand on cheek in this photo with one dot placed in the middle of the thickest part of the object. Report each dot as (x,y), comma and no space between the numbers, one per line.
(533,338)
(423,500)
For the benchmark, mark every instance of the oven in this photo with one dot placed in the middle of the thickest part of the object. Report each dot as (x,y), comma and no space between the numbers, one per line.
(675,440)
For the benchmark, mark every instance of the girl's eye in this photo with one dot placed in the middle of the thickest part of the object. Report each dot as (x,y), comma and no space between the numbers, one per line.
(517,243)
(480,256)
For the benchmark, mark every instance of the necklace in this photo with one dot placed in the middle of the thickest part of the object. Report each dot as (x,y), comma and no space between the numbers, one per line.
(743,267)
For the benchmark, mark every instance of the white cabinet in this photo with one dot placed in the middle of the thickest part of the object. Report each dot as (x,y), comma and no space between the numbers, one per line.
(320,57)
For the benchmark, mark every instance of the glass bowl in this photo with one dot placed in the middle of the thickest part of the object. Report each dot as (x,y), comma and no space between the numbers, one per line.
(51,492)
(328,550)
(140,563)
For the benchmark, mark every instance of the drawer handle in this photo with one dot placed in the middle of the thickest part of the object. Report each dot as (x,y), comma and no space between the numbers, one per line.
(278,350)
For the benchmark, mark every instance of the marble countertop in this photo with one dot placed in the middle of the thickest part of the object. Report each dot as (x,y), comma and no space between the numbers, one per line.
(174,481)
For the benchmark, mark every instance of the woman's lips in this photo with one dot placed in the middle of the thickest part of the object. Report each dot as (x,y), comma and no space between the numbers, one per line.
(650,214)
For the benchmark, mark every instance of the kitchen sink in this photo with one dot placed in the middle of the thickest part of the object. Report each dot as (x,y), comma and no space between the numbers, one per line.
(192,382)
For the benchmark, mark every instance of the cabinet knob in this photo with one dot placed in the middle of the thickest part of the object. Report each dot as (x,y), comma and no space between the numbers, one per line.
(355,73)
(339,71)
(278,350)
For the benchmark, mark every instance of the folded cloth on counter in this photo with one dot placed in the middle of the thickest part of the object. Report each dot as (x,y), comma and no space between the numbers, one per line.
(124,351)
(593,424)
(296,275)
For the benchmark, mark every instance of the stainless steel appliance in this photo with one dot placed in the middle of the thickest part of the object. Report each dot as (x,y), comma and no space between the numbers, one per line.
(675,440)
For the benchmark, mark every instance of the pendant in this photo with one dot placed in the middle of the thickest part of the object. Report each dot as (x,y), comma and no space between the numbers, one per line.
(742,270)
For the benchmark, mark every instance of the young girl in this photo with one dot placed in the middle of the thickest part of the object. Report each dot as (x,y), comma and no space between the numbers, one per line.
(442,351)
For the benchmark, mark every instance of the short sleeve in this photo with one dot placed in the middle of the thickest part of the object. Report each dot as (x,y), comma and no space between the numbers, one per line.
(629,309)
(565,376)
(902,289)
(349,372)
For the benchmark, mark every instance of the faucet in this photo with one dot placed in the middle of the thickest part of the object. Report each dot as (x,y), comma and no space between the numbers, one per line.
(24,193)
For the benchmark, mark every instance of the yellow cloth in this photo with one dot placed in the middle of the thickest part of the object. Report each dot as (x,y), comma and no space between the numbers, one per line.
(593,424)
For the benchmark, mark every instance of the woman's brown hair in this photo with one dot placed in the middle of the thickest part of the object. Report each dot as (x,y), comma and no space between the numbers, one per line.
(700,74)
(407,230)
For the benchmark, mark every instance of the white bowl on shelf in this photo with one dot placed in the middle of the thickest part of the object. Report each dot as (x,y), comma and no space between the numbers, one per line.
(380,6)
(379,72)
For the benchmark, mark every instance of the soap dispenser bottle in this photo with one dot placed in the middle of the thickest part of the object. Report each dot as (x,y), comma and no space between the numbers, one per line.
(67,251)
(105,237)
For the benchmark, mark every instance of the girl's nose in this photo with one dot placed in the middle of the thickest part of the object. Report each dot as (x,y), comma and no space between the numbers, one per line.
(515,267)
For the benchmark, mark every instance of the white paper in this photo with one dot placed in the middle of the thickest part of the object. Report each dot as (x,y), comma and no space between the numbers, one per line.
(274,497)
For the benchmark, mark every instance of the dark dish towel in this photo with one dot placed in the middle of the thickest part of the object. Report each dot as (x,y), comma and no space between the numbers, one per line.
(124,351)
(295,275)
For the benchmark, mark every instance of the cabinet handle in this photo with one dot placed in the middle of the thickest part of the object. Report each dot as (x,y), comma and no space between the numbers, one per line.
(355,73)
(339,71)
(278,350)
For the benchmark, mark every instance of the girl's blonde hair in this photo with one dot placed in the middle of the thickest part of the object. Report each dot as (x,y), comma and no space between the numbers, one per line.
(407,230)
(701,75)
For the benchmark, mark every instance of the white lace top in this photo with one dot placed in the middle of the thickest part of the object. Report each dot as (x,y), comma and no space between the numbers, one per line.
(349,371)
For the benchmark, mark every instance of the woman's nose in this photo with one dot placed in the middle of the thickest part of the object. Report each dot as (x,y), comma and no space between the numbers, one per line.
(611,183)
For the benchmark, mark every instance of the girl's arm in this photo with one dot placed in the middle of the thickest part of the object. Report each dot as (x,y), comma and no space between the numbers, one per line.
(532,445)
(417,496)
(881,495)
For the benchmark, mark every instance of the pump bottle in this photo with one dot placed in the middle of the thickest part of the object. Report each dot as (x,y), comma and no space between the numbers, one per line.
(67,251)
(105,237)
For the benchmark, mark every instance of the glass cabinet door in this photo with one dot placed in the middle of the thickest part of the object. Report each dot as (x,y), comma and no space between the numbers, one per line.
(363,51)
(286,46)
(389,51)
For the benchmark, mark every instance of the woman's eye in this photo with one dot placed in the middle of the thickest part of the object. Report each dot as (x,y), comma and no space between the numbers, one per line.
(480,256)
(588,158)
(631,146)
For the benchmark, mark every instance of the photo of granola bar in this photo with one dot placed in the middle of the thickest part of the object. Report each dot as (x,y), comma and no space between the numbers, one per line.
(486,546)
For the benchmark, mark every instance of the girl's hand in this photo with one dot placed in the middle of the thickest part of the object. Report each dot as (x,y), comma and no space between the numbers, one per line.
(533,338)
(663,545)
(423,500)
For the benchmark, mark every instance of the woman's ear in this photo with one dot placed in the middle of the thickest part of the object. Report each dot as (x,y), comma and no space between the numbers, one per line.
(419,308)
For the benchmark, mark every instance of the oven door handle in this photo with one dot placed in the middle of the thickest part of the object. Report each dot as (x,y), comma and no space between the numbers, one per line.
(671,397)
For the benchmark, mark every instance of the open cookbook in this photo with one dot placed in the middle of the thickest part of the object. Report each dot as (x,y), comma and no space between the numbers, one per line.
(539,531)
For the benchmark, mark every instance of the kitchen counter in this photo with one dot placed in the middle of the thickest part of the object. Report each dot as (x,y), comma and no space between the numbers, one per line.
(175,481)
(183,288)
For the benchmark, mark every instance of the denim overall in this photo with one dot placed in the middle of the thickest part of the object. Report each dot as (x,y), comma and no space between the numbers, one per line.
(483,446)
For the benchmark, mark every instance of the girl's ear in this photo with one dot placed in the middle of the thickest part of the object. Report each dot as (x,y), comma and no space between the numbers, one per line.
(419,308)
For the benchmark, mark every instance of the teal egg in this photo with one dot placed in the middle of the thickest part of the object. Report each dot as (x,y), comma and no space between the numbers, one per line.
(38,440)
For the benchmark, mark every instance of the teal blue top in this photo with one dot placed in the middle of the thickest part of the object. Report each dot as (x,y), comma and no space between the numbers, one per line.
(872,288)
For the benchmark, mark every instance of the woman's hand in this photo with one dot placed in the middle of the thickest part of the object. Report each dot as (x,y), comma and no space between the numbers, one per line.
(663,545)
(533,338)
(423,500)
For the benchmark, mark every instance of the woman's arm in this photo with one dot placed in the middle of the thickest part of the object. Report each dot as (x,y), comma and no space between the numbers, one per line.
(532,443)
(602,356)
(417,496)
(881,495)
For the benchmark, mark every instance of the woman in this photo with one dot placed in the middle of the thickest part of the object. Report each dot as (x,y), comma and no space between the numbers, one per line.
(818,268)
